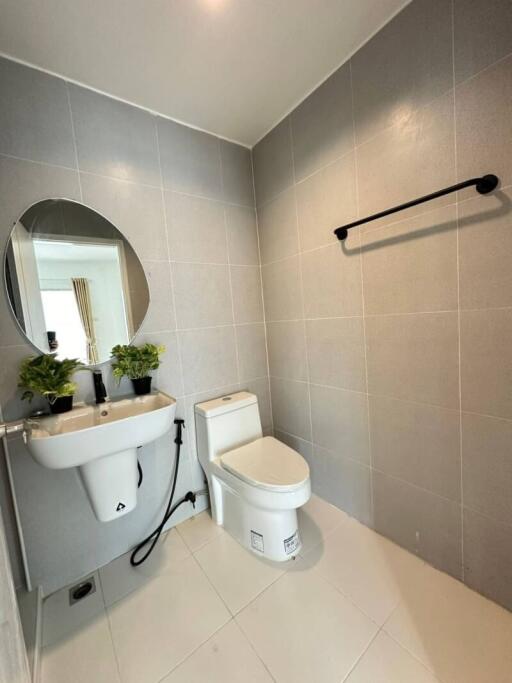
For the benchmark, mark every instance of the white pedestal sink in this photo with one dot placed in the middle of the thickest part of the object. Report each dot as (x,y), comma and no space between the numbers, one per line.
(102,440)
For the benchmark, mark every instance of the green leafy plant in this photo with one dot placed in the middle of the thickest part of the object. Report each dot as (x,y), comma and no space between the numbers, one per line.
(47,376)
(135,362)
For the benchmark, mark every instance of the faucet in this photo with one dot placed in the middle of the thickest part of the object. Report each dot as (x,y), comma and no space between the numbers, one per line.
(99,388)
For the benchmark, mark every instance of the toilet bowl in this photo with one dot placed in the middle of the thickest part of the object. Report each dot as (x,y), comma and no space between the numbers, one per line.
(256,483)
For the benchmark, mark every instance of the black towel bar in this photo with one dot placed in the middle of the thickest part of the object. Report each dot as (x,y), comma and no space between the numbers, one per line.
(484,185)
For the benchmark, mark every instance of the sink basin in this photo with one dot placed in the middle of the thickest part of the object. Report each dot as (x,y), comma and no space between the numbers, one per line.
(102,440)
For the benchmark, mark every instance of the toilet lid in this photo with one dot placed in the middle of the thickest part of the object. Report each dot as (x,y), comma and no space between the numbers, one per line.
(267,463)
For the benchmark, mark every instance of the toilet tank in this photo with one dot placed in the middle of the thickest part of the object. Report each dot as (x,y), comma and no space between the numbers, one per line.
(225,423)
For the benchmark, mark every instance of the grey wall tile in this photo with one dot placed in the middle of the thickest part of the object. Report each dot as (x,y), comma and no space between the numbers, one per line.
(342,482)
(482,35)
(35,122)
(414,357)
(203,295)
(196,228)
(136,210)
(336,354)
(305,448)
(161,314)
(405,66)
(484,139)
(322,125)
(282,290)
(237,173)
(247,294)
(418,443)
(242,233)
(340,422)
(332,281)
(487,466)
(209,358)
(485,244)
(411,158)
(488,557)
(326,200)
(168,377)
(272,163)
(290,407)
(261,388)
(252,351)
(23,183)
(423,276)
(287,349)
(486,362)
(277,227)
(190,160)
(420,521)
(113,138)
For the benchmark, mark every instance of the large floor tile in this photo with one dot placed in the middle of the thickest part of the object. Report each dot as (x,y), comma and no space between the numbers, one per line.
(226,658)
(317,519)
(60,618)
(371,571)
(237,574)
(456,633)
(118,578)
(305,630)
(198,530)
(86,656)
(157,627)
(386,662)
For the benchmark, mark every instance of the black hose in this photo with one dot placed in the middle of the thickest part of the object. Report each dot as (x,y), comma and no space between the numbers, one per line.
(153,537)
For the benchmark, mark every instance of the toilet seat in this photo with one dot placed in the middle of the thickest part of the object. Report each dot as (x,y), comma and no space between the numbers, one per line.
(268,464)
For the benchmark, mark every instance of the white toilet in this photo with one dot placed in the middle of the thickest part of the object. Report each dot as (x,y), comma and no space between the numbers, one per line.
(256,483)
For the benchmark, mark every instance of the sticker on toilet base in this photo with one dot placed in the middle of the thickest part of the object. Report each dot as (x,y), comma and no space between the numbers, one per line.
(257,541)
(291,544)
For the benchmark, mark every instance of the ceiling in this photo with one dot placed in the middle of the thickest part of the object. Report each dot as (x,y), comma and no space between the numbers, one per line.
(231,67)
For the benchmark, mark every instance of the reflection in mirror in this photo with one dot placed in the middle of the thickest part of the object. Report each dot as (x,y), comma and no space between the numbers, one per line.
(75,285)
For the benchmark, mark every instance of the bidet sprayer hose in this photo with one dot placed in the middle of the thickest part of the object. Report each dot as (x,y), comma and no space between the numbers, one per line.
(152,539)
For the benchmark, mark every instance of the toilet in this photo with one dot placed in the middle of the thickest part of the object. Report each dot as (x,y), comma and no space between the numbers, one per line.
(256,483)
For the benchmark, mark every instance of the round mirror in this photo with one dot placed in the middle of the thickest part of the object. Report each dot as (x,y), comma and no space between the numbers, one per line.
(75,285)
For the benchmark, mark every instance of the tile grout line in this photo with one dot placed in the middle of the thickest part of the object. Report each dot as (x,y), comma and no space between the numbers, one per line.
(173,297)
(301,275)
(358,660)
(230,279)
(459,341)
(363,312)
(75,147)
(262,291)
(109,624)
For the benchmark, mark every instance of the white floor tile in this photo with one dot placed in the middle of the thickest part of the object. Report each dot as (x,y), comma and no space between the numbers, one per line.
(317,519)
(159,625)
(370,570)
(226,658)
(118,578)
(386,662)
(459,635)
(237,574)
(60,618)
(85,656)
(305,630)
(198,530)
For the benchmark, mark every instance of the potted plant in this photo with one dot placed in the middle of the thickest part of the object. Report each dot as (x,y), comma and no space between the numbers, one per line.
(136,362)
(51,378)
